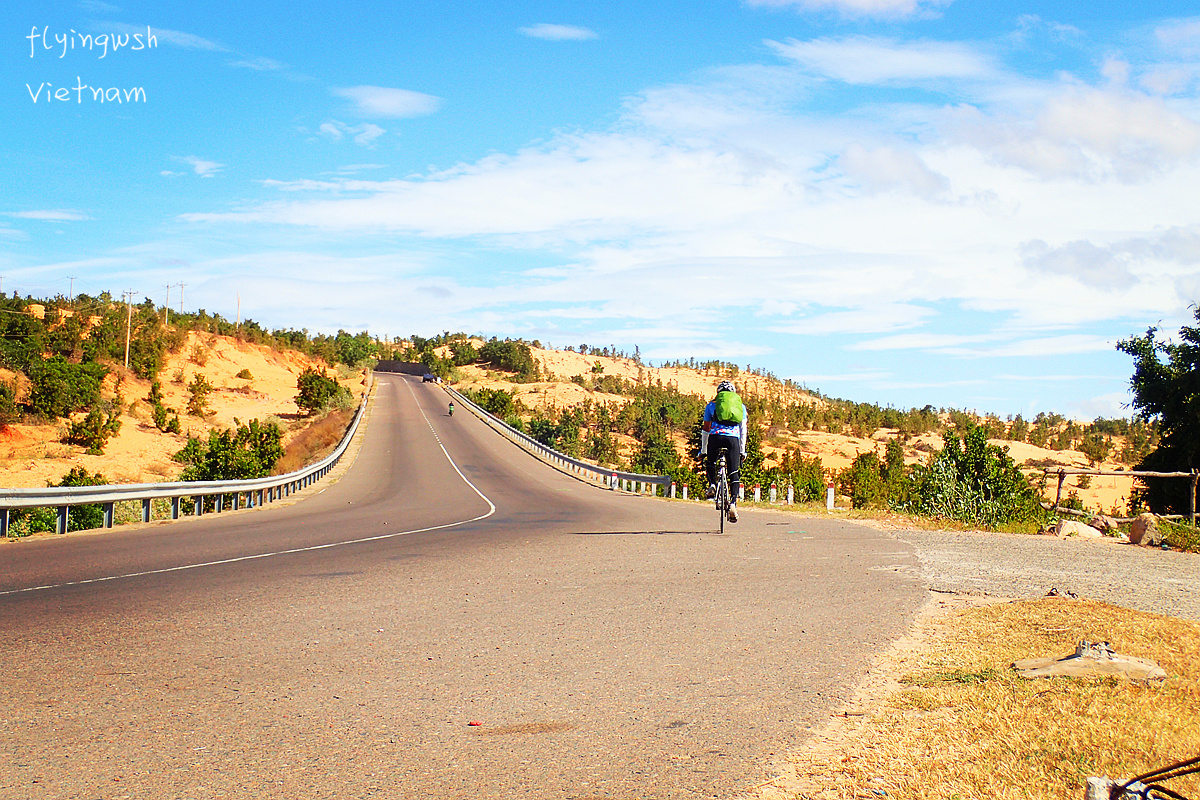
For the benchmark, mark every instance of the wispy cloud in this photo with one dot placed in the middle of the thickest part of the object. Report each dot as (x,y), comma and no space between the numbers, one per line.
(49,215)
(1035,205)
(178,38)
(364,134)
(97,7)
(260,64)
(381,101)
(202,167)
(879,9)
(1181,36)
(558,33)
(870,60)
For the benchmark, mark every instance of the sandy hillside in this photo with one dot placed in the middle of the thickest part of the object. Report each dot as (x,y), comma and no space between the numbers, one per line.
(836,451)
(32,455)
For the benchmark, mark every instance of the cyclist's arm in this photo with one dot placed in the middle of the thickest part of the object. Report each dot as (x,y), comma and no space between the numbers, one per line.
(743,428)
(705,428)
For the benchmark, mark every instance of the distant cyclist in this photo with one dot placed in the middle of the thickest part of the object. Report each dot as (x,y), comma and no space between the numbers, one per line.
(452,408)
(724,430)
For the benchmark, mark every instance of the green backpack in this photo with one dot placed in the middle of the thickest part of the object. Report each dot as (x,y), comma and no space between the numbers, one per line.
(729,408)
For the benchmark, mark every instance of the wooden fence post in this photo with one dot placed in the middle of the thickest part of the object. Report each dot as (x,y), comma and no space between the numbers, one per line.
(1192,508)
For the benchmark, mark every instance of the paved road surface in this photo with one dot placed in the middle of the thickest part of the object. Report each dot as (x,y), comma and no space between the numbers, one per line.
(611,645)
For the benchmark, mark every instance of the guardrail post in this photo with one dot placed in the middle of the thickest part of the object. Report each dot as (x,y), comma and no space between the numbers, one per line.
(146,510)
(237,501)
(774,493)
(672,490)
(758,494)
(4,523)
(685,491)
(198,505)
(220,505)
(791,494)
(108,514)
(60,524)
(741,492)
(175,507)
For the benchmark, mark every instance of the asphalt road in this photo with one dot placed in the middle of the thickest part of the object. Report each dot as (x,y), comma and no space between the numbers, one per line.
(610,645)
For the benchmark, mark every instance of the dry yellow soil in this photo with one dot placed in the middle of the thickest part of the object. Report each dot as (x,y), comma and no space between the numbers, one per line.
(34,455)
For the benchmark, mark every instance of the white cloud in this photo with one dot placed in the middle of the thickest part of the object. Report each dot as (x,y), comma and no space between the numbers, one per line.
(1180,36)
(97,7)
(260,64)
(1034,207)
(860,8)
(1088,133)
(870,60)
(364,134)
(381,101)
(50,215)
(178,38)
(1067,344)
(889,168)
(558,33)
(920,341)
(203,168)
(876,319)
(1113,405)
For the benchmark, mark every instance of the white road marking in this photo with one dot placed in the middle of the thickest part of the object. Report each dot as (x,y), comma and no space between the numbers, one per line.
(291,551)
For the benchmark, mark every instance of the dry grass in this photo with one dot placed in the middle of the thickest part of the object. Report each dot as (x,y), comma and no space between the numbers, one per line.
(965,726)
(314,442)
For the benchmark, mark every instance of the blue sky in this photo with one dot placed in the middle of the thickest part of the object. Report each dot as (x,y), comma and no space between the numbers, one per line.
(958,203)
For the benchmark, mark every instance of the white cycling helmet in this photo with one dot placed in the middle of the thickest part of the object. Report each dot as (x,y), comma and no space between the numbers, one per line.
(725,386)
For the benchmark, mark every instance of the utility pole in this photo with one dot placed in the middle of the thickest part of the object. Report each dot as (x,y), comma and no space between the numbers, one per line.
(181,285)
(167,307)
(237,326)
(128,323)
(71,294)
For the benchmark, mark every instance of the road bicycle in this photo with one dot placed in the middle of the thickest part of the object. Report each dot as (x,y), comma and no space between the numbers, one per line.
(721,497)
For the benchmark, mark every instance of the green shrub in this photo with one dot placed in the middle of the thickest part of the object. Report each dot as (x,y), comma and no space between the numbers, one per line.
(317,391)
(1180,536)
(511,356)
(9,412)
(165,419)
(93,431)
(59,387)
(26,521)
(198,392)
(496,402)
(245,374)
(244,452)
(970,481)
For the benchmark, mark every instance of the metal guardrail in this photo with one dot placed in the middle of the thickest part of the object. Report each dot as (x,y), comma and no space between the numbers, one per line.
(257,491)
(613,479)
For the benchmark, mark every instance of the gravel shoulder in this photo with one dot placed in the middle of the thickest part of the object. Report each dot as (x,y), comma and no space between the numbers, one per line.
(1021,567)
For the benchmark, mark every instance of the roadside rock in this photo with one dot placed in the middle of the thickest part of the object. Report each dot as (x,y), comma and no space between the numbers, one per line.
(1091,658)
(1069,527)
(1105,524)
(1144,531)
